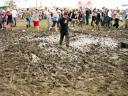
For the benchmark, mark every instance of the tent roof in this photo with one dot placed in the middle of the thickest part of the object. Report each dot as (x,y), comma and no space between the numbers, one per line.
(3,7)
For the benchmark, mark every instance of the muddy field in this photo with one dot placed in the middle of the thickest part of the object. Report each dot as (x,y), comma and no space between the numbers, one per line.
(32,64)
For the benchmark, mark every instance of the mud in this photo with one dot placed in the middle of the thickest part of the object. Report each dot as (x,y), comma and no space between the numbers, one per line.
(33,64)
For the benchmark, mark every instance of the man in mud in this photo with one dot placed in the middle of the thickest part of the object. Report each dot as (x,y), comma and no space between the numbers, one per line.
(88,12)
(2,19)
(28,16)
(63,26)
(14,16)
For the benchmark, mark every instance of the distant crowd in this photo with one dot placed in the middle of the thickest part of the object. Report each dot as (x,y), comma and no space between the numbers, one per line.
(96,18)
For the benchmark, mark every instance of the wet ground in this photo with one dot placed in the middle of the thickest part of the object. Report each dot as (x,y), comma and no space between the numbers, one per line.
(32,64)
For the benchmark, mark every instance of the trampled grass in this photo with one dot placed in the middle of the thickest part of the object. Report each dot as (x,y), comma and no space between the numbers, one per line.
(21,25)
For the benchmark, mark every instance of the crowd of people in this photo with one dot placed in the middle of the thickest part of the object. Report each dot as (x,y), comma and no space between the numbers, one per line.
(97,18)
(9,18)
(62,19)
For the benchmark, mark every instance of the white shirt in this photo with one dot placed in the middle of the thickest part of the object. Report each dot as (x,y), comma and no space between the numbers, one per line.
(47,14)
(110,14)
(35,17)
(14,13)
(56,15)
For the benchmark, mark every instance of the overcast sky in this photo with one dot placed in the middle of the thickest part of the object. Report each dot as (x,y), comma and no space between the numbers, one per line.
(67,3)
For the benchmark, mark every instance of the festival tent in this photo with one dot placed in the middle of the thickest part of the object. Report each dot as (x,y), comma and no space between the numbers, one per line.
(3,7)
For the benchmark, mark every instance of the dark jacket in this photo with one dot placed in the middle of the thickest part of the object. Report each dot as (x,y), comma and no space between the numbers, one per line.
(63,22)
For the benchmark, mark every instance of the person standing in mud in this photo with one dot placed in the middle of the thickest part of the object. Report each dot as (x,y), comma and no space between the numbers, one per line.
(28,18)
(9,19)
(63,25)
(116,20)
(14,16)
(2,20)
(35,18)
(98,19)
(93,17)
(88,12)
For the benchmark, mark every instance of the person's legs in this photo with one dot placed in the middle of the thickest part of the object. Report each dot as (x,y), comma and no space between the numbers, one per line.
(9,26)
(98,27)
(36,28)
(0,24)
(29,22)
(107,25)
(56,26)
(87,20)
(110,25)
(81,24)
(110,22)
(15,21)
(127,24)
(67,39)
(48,22)
(73,22)
(83,19)
(61,37)
(3,25)
(92,22)
(54,23)
(117,23)
(114,23)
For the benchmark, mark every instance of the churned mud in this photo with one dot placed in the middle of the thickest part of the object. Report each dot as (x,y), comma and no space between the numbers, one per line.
(33,64)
